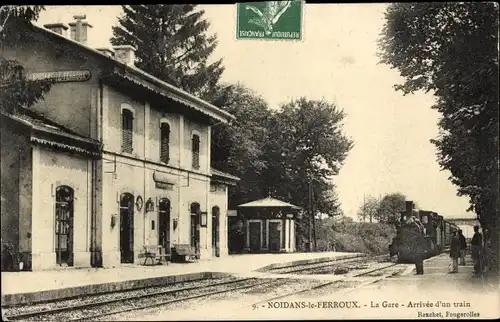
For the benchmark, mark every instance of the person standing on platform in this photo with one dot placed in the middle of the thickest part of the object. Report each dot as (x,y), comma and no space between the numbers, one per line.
(419,242)
(476,244)
(454,252)
(463,247)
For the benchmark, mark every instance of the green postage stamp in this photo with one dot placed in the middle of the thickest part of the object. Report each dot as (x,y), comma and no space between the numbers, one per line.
(281,20)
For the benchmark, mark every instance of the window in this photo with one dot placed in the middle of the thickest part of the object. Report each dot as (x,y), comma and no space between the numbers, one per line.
(196,151)
(64,225)
(164,142)
(127,130)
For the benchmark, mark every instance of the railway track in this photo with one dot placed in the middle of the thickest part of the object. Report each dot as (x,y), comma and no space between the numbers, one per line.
(97,306)
(96,310)
(326,284)
(306,267)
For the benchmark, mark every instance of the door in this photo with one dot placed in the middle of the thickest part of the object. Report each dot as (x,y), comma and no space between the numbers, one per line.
(274,236)
(255,235)
(127,228)
(64,226)
(195,226)
(164,224)
(215,232)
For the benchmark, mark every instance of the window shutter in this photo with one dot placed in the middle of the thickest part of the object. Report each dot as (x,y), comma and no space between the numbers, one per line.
(164,142)
(196,151)
(127,131)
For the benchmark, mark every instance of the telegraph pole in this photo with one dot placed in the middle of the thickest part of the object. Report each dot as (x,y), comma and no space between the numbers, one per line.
(313,217)
(310,214)
(364,208)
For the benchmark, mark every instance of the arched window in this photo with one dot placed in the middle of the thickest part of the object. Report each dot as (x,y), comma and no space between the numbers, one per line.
(196,151)
(164,223)
(127,228)
(164,142)
(127,130)
(64,225)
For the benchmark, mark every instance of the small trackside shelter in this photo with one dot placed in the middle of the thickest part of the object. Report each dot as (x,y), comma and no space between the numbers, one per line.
(269,225)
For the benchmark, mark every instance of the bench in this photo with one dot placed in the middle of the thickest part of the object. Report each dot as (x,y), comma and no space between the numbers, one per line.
(185,251)
(154,252)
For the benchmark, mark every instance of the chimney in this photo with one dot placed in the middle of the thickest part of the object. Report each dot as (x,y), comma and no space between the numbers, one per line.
(125,54)
(79,29)
(106,51)
(409,208)
(57,27)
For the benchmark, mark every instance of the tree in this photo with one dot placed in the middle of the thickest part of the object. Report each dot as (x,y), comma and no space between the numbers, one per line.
(16,91)
(451,49)
(306,142)
(390,208)
(172,44)
(306,145)
(238,148)
(368,209)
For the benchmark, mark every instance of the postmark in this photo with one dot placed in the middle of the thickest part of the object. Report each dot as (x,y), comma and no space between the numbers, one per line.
(278,20)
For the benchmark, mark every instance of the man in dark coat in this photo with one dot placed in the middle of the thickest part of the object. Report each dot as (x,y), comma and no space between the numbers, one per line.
(417,241)
(463,247)
(476,249)
(454,252)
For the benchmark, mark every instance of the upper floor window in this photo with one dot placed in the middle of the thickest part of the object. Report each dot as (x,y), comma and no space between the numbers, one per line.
(127,130)
(164,142)
(196,151)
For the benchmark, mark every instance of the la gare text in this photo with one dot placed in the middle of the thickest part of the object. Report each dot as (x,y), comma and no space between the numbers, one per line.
(419,304)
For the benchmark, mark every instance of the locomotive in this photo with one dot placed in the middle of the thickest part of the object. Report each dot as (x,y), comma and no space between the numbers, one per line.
(422,231)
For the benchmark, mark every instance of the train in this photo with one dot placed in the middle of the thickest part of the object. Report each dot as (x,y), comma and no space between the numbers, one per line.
(420,230)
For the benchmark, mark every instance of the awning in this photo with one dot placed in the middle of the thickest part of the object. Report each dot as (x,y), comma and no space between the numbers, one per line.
(222,177)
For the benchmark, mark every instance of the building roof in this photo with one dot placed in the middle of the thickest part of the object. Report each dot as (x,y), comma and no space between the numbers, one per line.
(222,177)
(166,89)
(268,202)
(219,173)
(47,132)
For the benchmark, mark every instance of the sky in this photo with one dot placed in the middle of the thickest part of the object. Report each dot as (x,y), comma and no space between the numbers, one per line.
(336,61)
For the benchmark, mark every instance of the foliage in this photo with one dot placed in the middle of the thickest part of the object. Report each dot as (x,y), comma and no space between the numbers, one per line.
(238,148)
(16,91)
(172,44)
(390,208)
(10,14)
(344,235)
(368,210)
(274,152)
(451,49)
(306,143)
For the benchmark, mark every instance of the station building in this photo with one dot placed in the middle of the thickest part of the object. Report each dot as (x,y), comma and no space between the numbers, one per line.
(112,159)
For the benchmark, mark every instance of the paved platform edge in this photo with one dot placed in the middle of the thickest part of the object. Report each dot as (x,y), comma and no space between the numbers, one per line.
(72,292)
(308,261)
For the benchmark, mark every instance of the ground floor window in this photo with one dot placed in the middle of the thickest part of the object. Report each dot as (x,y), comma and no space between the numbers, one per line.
(215,231)
(164,224)
(64,225)
(127,228)
(195,226)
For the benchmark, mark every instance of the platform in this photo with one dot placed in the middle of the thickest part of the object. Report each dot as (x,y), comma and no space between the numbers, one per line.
(450,294)
(22,287)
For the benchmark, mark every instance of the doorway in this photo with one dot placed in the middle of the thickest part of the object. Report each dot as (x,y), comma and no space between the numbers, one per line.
(64,226)
(195,226)
(255,235)
(274,236)
(127,228)
(215,231)
(164,224)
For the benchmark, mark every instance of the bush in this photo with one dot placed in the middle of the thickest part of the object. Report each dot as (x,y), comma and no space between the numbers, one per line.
(371,238)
